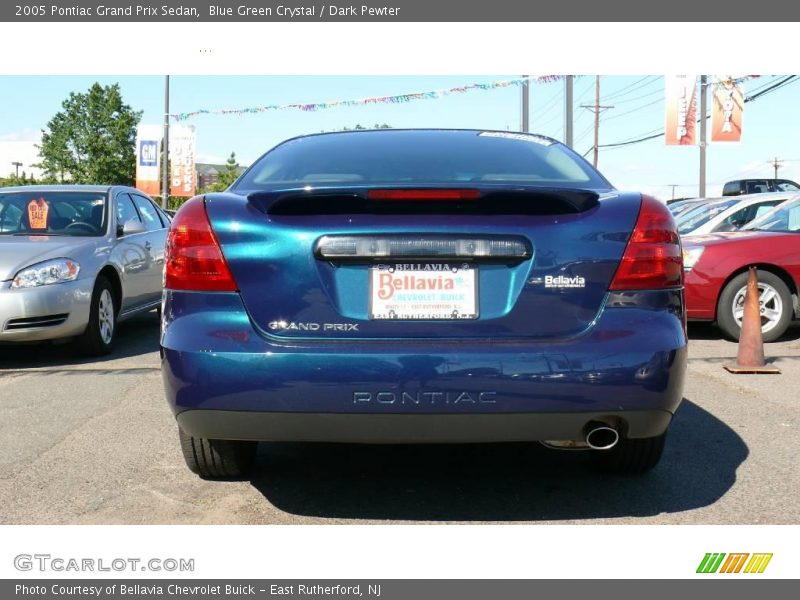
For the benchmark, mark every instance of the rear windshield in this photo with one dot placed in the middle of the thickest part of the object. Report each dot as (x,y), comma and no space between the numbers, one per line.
(78,214)
(400,157)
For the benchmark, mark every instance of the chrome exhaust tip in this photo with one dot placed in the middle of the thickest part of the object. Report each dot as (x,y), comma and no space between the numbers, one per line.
(601,436)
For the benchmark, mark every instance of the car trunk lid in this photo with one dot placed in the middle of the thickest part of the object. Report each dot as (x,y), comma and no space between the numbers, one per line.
(365,263)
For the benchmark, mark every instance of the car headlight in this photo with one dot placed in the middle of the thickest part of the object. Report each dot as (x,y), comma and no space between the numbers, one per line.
(45,273)
(691,256)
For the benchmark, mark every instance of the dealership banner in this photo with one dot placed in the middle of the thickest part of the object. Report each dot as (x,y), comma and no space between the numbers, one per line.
(183,172)
(681,110)
(148,158)
(727,110)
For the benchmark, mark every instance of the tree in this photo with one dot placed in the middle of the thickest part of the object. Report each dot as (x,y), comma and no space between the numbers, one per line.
(91,140)
(360,127)
(23,179)
(226,177)
(231,172)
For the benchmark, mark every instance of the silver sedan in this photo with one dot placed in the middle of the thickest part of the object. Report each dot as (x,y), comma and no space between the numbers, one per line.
(76,260)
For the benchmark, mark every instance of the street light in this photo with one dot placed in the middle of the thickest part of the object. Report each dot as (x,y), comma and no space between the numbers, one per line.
(17,165)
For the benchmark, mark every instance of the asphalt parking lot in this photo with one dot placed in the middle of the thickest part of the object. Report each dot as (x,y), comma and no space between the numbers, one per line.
(93,442)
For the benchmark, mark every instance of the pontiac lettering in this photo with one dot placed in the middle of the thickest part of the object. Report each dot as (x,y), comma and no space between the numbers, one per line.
(424,397)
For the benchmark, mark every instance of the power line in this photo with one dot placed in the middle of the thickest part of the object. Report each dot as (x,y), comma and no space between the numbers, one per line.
(597,108)
(765,84)
(628,89)
(584,133)
(642,97)
(777,86)
(633,110)
(786,81)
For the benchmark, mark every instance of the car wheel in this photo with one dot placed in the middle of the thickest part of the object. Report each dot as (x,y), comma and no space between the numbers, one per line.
(775,301)
(632,456)
(217,459)
(98,339)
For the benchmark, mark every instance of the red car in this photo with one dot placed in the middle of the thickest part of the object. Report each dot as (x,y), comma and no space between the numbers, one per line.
(716,272)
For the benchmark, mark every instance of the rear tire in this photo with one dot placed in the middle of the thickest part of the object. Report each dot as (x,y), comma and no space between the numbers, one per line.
(633,456)
(217,459)
(98,339)
(780,306)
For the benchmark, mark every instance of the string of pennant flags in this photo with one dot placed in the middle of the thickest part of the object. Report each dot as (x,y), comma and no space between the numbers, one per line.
(395,99)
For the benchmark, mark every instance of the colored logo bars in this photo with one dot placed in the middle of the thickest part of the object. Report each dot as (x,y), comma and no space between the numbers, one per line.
(713,563)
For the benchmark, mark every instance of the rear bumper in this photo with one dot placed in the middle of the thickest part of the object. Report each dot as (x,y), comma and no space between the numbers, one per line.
(411,429)
(225,380)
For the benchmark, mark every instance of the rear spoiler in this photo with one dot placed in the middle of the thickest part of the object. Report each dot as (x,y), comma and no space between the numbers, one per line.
(427,200)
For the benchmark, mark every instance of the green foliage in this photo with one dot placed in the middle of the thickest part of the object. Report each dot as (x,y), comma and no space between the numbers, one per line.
(91,140)
(22,179)
(359,126)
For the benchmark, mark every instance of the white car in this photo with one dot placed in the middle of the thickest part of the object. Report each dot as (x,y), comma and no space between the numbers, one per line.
(730,213)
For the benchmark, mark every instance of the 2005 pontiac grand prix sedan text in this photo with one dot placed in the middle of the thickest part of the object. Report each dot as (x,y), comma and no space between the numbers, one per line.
(423,286)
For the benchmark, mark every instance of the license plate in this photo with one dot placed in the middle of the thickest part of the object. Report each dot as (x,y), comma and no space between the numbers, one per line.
(430,291)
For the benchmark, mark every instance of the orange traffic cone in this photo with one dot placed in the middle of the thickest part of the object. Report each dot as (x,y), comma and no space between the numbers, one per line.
(750,358)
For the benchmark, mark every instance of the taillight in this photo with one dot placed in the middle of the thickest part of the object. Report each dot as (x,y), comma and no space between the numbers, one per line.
(424,194)
(653,258)
(193,259)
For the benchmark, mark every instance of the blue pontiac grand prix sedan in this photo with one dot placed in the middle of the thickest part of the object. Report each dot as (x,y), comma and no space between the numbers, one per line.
(423,286)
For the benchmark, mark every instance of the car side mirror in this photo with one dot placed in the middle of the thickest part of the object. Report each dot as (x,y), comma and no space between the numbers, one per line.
(131,227)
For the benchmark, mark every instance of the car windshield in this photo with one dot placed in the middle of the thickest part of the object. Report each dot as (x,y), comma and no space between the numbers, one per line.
(786,186)
(419,157)
(53,213)
(783,218)
(680,208)
(701,215)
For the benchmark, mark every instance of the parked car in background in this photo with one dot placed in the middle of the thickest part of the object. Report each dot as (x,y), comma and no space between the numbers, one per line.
(727,214)
(680,207)
(759,186)
(75,260)
(419,286)
(716,272)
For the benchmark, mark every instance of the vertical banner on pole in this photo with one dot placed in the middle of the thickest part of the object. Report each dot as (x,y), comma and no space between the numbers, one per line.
(681,110)
(148,158)
(183,173)
(727,110)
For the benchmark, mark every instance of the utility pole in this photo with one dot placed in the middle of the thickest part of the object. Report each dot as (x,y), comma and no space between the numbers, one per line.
(673,186)
(596,108)
(568,109)
(703,111)
(776,164)
(165,146)
(17,165)
(525,127)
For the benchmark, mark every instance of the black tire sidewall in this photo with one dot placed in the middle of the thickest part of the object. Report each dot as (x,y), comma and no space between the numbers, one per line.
(91,340)
(725,319)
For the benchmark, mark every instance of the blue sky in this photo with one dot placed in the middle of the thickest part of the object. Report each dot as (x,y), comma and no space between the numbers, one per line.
(771,123)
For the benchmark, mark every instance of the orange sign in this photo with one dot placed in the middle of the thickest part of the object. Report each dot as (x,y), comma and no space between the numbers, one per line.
(37,213)
(183,171)
(727,109)
(681,104)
